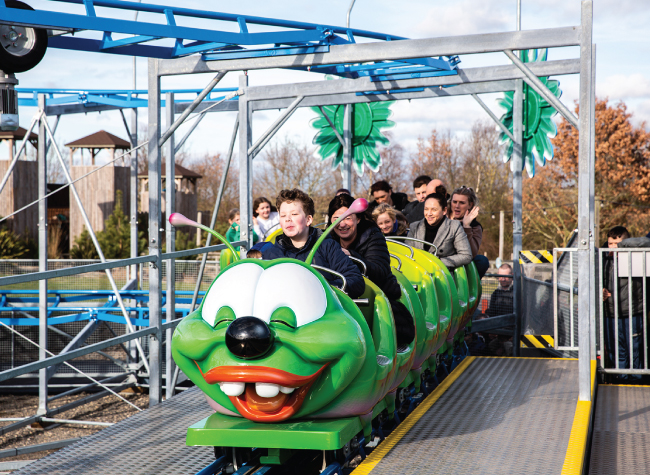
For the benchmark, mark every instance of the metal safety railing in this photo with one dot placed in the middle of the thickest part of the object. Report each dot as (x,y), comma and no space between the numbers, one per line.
(623,288)
(565,291)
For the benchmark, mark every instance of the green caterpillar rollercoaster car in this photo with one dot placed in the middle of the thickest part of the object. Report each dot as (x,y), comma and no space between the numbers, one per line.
(289,362)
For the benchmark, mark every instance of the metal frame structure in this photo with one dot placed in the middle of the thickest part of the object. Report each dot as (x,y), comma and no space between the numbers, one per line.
(382,84)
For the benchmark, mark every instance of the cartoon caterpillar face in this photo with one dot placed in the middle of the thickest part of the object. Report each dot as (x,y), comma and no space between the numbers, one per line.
(272,341)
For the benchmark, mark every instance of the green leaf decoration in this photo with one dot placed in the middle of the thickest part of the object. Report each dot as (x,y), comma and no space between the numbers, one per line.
(367,122)
(539,127)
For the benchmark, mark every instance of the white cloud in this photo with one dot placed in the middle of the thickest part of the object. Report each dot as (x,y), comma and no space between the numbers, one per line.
(622,86)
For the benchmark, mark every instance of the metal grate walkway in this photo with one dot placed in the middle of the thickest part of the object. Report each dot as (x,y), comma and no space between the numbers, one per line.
(502,415)
(621,435)
(150,442)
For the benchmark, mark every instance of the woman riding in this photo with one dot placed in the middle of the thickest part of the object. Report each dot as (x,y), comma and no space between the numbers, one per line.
(265,218)
(360,238)
(446,235)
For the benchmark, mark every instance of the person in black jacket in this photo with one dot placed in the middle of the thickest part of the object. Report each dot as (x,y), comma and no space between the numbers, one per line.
(420,190)
(360,238)
(617,311)
(501,302)
(382,192)
(296,215)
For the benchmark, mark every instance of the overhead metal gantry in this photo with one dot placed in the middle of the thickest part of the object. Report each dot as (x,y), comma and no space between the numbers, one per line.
(366,89)
(374,71)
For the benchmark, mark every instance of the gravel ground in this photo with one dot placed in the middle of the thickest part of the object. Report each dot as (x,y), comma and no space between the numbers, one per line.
(107,409)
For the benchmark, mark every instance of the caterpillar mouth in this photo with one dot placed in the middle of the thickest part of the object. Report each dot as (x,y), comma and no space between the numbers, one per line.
(260,393)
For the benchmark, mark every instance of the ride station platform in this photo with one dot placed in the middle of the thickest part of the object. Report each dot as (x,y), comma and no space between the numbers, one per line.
(490,415)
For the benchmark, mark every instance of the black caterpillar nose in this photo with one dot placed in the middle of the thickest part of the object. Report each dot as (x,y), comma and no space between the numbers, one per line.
(249,338)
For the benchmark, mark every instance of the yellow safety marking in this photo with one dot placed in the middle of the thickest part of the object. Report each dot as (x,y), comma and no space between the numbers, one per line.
(575,455)
(548,255)
(382,449)
(528,358)
(549,340)
(531,257)
(626,385)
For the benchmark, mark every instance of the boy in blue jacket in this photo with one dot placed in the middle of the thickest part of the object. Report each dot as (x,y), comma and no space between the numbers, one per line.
(296,210)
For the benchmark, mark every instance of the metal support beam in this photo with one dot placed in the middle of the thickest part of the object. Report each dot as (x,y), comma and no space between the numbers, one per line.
(155,269)
(593,241)
(211,85)
(75,343)
(273,129)
(245,168)
(42,254)
(348,150)
(585,225)
(329,121)
(494,117)
(197,121)
(215,212)
(517,164)
(170,231)
(133,213)
(384,51)
(539,87)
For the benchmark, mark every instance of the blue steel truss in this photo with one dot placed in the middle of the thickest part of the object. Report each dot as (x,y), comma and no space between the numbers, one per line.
(14,302)
(167,39)
(119,98)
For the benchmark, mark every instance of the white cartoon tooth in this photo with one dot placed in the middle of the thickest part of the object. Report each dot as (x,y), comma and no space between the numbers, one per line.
(232,389)
(267,389)
(286,390)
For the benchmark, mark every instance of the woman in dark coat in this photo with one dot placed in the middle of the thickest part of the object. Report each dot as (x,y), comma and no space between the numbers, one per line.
(360,238)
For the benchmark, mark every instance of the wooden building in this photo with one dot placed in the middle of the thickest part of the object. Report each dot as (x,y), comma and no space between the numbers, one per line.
(98,190)
(21,188)
(186,196)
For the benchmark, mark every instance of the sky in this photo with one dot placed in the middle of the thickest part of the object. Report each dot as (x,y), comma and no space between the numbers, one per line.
(620,32)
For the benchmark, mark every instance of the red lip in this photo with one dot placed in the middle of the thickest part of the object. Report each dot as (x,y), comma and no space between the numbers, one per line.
(263,374)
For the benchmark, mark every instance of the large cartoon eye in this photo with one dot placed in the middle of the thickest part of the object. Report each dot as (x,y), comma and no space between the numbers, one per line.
(234,288)
(292,286)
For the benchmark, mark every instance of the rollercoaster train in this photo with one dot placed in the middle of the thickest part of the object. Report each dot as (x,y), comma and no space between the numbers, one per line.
(276,348)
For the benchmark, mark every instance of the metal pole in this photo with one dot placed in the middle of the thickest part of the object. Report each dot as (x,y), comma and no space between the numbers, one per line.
(346,168)
(170,205)
(584,198)
(155,268)
(517,161)
(56,124)
(347,23)
(215,212)
(502,229)
(42,255)
(20,151)
(133,208)
(245,168)
(592,205)
(211,85)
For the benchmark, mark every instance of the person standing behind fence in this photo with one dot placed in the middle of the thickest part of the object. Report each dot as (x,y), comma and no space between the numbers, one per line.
(501,299)
(625,307)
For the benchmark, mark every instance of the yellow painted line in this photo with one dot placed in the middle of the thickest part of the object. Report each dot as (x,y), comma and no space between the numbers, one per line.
(575,455)
(527,358)
(391,441)
(627,385)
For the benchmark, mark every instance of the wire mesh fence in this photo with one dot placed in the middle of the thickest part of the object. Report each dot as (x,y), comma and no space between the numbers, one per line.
(16,351)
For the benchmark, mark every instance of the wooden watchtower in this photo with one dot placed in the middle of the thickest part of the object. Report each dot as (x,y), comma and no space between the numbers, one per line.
(21,188)
(98,190)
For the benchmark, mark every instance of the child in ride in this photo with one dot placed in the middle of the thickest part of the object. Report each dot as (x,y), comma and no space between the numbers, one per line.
(232,235)
(296,216)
